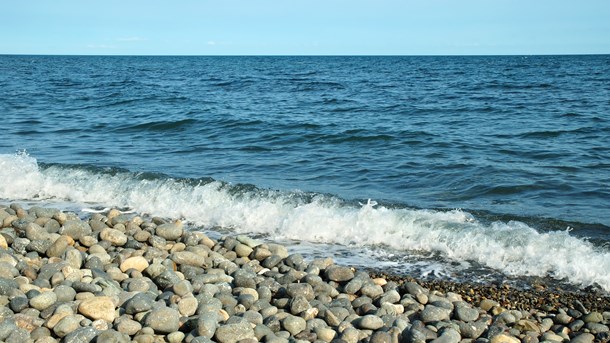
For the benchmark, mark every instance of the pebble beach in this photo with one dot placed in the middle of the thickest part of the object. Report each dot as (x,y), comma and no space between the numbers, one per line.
(116,277)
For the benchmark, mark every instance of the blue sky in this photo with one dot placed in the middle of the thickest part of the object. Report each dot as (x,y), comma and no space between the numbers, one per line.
(313,27)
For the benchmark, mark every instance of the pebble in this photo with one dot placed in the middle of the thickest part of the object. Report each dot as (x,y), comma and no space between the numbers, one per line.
(596,328)
(98,308)
(339,273)
(188,258)
(593,317)
(74,228)
(44,300)
(118,278)
(465,313)
(170,231)
(141,302)
(433,313)
(113,236)
(504,338)
(67,325)
(138,263)
(369,322)
(583,338)
(128,326)
(232,333)
(163,320)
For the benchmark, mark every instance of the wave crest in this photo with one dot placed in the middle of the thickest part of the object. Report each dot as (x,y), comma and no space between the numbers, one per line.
(512,247)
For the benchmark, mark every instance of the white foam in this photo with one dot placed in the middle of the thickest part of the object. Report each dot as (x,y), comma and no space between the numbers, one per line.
(513,248)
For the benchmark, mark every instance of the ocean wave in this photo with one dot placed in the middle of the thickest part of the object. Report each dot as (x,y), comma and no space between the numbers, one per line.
(165,125)
(511,247)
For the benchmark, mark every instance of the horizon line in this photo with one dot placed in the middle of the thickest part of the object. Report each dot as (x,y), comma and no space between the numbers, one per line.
(303,55)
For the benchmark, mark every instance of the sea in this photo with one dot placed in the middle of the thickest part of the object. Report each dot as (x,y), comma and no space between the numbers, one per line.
(484,169)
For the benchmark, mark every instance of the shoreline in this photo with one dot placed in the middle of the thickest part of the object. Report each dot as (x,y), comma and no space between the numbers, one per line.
(130,278)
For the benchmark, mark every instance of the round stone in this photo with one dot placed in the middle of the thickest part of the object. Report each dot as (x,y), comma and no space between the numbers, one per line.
(583,338)
(593,317)
(18,304)
(128,326)
(44,300)
(98,308)
(75,228)
(141,302)
(175,337)
(187,306)
(432,313)
(294,324)
(66,325)
(325,334)
(207,323)
(163,320)
(60,246)
(303,289)
(170,231)
(465,313)
(243,250)
(188,258)
(113,236)
(183,288)
(231,333)
(504,338)
(369,322)
(339,273)
(298,304)
(138,263)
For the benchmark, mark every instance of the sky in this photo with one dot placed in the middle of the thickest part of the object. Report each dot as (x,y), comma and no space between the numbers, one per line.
(313,27)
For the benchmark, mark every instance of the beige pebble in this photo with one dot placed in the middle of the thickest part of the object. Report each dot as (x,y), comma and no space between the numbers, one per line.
(98,308)
(138,263)
(55,318)
(3,243)
(380,281)
(504,338)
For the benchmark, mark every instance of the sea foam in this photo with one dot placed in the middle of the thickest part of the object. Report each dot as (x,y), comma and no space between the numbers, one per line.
(513,248)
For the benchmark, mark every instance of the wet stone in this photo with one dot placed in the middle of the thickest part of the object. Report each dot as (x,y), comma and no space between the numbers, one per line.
(188,258)
(272,261)
(75,229)
(113,236)
(170,231)
(339,273)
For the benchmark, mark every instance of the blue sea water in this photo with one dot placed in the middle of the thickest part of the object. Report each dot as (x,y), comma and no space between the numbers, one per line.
(459,167)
